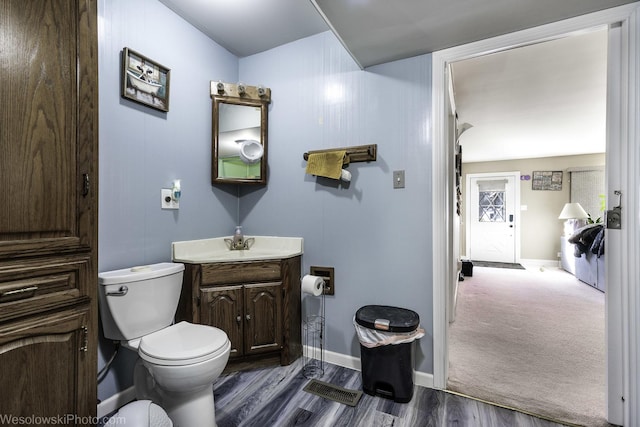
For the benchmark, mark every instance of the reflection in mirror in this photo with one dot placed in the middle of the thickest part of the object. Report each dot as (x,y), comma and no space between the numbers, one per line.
(238,128)
(239,137)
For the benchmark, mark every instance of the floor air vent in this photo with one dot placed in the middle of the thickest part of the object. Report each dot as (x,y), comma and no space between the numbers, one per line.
(332,392)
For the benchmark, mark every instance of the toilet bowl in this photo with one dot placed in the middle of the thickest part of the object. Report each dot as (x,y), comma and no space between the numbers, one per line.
(251,151)
(178,363)
(181,376)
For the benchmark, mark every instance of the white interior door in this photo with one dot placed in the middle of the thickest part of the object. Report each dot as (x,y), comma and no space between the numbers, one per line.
(491,217)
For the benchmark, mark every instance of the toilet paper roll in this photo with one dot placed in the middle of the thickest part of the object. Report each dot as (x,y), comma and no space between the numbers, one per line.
(312,285)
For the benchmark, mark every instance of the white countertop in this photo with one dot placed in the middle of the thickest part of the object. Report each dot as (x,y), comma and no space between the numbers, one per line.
(217,250)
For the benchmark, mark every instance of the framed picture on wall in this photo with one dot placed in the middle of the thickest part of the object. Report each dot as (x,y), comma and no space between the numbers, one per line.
(145,81)
(547,180)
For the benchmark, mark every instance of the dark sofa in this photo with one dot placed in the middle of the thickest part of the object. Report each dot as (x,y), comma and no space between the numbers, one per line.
(583,255)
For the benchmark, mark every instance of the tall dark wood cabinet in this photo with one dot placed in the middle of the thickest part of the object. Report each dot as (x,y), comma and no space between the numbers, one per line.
(48,213)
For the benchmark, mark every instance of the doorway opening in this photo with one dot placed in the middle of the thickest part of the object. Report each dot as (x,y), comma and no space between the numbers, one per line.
(620,115)
(492,205)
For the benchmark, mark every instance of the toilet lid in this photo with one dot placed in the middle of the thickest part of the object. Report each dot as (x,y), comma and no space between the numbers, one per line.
(183,343)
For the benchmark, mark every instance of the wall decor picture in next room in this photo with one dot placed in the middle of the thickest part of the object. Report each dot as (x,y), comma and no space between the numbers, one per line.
(547,180)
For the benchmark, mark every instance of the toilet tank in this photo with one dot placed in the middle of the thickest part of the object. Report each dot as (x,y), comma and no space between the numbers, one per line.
(139,300)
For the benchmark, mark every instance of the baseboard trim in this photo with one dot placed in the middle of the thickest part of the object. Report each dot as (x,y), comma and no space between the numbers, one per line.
(116,401)
(540,263)
(422,379)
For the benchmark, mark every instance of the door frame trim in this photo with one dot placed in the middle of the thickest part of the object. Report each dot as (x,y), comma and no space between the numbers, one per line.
(626,102)
(467,211)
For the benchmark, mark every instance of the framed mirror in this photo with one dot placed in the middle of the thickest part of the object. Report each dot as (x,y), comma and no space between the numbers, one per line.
(240,134)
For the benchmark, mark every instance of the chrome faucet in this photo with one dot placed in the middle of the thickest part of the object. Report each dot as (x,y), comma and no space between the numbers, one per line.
(248,242)
(240,244)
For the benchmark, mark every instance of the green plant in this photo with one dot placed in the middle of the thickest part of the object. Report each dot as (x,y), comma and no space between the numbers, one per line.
(603,202)
(590,220)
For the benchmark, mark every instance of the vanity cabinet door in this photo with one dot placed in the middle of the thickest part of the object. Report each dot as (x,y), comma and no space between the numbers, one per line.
(257,304)
(263,316)
(222,307)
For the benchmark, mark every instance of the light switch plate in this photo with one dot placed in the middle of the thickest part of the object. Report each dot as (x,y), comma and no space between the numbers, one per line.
(398,179)
(167,202)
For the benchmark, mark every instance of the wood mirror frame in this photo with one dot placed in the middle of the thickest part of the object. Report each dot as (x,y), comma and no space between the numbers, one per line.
(240,115)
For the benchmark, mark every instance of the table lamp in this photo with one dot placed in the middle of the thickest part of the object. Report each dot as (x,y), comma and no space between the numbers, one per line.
(573,213)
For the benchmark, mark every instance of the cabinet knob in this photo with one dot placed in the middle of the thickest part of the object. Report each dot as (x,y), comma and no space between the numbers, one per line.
(239,319)
(248,316)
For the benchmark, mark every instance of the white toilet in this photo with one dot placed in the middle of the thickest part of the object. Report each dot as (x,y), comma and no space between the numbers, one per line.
(178,363)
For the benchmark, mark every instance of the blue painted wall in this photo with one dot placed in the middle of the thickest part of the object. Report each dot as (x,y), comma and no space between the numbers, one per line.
(143,150)
(377,238)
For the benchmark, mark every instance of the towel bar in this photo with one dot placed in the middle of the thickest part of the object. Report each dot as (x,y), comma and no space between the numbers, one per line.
(360,153)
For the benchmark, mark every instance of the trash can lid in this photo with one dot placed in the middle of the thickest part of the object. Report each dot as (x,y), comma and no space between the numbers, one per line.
(387,318)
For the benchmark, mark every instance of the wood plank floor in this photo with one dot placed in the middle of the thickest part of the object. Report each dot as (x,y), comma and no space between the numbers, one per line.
(275,397)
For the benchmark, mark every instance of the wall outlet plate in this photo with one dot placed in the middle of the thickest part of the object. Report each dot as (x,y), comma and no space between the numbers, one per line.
(167,201)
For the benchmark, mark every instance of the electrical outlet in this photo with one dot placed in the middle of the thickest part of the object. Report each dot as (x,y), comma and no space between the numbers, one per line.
(167,201)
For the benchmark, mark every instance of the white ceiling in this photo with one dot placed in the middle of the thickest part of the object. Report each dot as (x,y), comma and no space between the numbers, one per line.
(537,101)
(547,99)
(246,27)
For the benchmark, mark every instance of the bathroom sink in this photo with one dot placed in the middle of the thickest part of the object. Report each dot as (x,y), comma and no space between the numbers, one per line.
(217,250)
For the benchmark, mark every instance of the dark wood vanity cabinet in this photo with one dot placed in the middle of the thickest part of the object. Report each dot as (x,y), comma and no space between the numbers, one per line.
(48,218)
(251,315)
(257,303)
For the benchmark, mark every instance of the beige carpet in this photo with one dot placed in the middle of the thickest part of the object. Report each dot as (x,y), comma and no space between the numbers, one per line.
(531,340)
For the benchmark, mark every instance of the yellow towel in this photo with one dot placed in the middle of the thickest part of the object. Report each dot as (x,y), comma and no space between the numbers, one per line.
(326,163)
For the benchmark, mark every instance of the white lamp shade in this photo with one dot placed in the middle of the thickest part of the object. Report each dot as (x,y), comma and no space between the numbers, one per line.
(573,211)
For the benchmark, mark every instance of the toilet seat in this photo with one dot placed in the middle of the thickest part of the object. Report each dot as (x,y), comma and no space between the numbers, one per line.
(183,344)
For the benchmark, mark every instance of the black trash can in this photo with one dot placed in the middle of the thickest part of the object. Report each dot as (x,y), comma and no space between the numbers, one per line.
(467,268)
(387,369)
